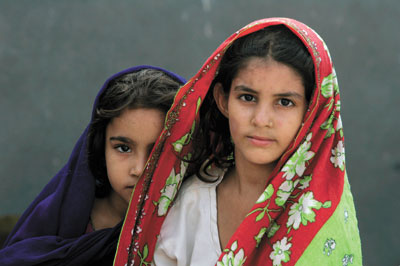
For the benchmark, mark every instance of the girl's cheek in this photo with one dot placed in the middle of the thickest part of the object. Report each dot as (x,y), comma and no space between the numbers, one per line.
(279,119)
(233,127)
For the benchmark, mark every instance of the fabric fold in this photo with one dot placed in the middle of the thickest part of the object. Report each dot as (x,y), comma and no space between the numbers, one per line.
(52,229)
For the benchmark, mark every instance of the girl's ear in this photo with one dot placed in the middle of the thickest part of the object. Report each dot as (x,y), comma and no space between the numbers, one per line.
(221,99)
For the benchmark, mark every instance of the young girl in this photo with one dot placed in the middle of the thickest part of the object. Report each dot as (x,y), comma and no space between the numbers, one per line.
(77,218)
(267,181)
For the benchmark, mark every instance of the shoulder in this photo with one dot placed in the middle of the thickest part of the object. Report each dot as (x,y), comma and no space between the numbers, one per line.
(191,196)
(193,183)
(194,190)
(190,210)
(192,207)
(188,231)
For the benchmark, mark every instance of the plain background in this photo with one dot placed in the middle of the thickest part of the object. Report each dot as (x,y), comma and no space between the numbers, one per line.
(55,55)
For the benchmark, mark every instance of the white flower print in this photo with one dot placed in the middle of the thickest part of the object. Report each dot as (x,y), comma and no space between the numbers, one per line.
(281,252)
(185,139)
(329,246)
(288,185)
(338,156)
(337,104)
(285,189)
(166,199)
(177,146)
(339,124)
(297,163)
(303,210)
(347,259)
(346,216)
(327,86)
(168,192)
(231,259)
(328,126)
(260,235)
(266,194)
(305,182)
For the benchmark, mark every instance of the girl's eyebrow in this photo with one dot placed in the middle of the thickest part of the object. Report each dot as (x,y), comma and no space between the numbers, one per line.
(289,94)
(122,139)
(244,88)
(127,140)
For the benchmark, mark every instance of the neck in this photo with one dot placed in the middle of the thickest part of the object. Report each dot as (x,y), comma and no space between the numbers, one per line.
(108,212)
(250,177)
(116,205)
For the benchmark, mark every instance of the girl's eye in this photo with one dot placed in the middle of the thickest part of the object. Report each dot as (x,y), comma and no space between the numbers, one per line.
(285,102)
(247,98)
(123,148)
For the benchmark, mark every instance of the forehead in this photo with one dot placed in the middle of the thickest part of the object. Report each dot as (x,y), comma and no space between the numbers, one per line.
(135,122)
(260,73)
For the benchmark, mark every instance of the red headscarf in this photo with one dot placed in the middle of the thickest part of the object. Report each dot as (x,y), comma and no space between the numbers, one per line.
(303,192)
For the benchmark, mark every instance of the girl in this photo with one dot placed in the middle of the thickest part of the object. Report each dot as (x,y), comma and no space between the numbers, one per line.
(77,218)
(267,181)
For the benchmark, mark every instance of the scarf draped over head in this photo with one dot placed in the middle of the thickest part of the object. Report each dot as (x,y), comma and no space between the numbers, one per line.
(52,230)
(306,213)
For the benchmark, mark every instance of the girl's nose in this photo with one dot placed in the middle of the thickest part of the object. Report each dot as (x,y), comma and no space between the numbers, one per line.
(262,117)
(138,165)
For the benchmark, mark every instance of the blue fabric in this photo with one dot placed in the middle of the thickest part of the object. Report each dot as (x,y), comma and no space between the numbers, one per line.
(52,230)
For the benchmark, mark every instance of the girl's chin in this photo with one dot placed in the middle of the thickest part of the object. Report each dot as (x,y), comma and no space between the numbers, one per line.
(261,160)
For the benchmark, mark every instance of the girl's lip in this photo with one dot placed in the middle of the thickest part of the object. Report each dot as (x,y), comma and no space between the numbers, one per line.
(260,141)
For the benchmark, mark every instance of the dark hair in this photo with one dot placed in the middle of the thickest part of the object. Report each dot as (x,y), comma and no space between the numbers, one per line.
(212,139)
(146,88)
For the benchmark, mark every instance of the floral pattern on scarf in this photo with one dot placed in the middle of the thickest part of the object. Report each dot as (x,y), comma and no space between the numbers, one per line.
(298,207)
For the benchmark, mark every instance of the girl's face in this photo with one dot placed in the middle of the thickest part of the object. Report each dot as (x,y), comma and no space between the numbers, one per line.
(265,109)
(130,138)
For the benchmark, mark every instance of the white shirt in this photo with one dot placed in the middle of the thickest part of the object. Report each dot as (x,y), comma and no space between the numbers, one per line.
(189,234)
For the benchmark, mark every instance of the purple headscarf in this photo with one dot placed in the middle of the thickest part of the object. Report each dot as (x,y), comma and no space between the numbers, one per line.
(52,230)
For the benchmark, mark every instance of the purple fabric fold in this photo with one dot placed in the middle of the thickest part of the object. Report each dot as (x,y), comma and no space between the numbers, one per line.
(52,229)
